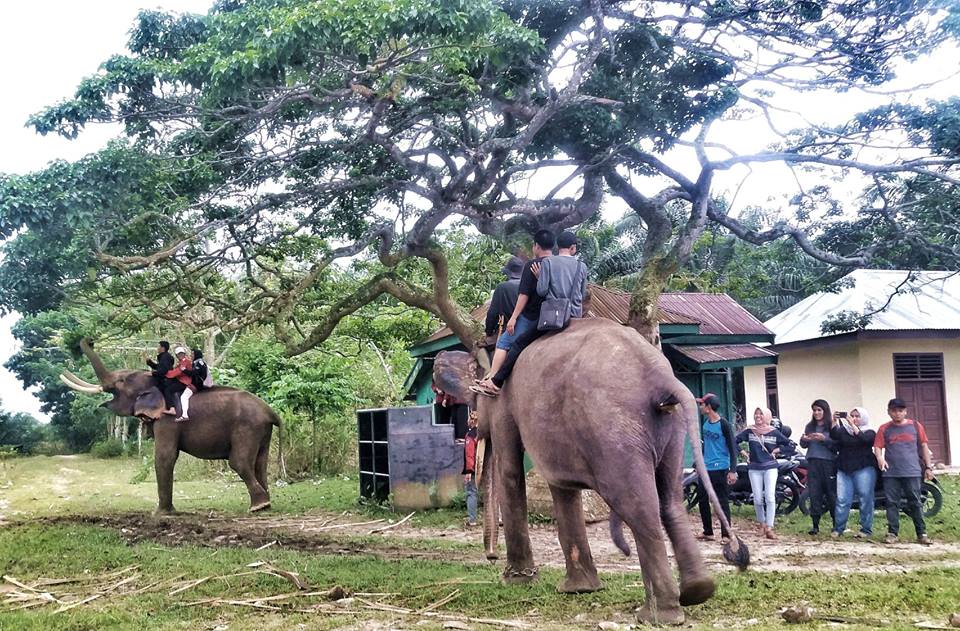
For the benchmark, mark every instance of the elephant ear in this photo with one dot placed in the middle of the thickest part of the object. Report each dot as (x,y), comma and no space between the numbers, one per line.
(454,372)
(149,404)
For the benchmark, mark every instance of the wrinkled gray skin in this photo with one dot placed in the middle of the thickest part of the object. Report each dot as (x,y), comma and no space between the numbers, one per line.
(225,424)
(596,407)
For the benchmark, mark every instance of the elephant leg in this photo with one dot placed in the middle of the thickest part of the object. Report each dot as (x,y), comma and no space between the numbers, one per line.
(581,572)
(633,496)
(513,506)
(696,585)
(164,460)
(243,458)
(261,465)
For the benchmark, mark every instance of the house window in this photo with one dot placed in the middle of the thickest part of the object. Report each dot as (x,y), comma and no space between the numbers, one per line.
(925,366)
(770,378)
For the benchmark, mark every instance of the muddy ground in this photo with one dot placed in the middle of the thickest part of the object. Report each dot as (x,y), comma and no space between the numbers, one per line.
(332,534)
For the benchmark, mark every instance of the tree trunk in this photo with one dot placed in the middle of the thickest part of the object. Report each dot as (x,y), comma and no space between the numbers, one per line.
(644,302)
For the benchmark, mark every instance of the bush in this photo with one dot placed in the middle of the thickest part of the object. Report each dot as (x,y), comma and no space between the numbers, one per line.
(54,447)
(110,448)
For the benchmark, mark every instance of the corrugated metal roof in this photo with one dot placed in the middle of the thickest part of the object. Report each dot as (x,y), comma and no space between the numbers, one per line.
(479,314)
(914,301)
(723,352)
(717,314)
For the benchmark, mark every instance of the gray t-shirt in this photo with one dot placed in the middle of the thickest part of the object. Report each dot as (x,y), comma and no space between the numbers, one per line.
(564,277)
(901,444)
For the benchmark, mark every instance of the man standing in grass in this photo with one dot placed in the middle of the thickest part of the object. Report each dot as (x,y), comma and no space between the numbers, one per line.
(720,456)
(903,459)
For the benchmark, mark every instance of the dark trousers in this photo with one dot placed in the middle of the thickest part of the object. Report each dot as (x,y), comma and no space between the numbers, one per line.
(515,349)
(822,487)
(896,490)
(171,393)
(718,480)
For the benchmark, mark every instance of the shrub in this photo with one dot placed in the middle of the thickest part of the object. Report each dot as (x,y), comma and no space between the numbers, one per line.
(110,448)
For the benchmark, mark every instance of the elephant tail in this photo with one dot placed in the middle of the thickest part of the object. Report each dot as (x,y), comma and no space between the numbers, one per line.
(616,533)
(735,550)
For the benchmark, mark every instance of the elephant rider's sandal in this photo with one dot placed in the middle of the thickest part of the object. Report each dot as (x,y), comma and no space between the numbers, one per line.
(485,390)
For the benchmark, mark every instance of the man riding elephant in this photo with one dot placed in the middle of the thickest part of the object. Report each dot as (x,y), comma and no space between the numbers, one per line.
(226,424)
(596,407)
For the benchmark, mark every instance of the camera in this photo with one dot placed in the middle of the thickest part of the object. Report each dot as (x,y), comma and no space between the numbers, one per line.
(841,415)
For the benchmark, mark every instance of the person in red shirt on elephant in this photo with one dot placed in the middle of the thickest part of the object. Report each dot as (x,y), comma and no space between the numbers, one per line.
(179,381)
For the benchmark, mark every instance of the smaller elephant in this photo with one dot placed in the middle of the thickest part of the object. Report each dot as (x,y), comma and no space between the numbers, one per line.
(596,407)
(225,424)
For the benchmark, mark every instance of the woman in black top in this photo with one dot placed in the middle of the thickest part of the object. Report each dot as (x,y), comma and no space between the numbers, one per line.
(821,463)
(856,470)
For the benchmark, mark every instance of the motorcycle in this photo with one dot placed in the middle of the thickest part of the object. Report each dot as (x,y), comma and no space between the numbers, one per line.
(931,498)
(788,489)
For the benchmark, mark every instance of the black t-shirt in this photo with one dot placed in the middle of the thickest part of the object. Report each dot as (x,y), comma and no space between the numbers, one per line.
(528,287)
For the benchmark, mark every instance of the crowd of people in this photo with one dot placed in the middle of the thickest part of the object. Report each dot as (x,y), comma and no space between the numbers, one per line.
(179,378)
(844,458)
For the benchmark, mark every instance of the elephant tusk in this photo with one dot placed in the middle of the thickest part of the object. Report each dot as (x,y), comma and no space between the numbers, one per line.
(80,382)
(85,389)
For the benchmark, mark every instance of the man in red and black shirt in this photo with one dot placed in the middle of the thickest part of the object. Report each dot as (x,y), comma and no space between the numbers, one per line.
(470,468)
(903,459)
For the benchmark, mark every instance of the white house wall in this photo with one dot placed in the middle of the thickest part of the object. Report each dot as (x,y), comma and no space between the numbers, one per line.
(804,375)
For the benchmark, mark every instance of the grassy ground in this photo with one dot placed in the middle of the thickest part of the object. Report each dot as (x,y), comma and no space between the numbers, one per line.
(80,485)
(31,549)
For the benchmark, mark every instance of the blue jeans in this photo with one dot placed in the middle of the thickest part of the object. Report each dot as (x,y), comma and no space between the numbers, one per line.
(763,483)
(471,490)
(524,324)
(862,482)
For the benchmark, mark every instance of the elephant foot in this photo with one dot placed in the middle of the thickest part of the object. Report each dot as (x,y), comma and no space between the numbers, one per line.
(580,585)
(660,615)
(696,591)
(520,576)
(259,507)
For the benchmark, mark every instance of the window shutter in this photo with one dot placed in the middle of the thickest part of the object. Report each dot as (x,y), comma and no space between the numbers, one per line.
(918,366)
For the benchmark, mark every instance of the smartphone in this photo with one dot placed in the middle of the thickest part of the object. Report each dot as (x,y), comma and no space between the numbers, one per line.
(841,415)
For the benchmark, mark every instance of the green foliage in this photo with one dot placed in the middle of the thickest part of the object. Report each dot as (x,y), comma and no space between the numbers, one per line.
(20,432)
(109,448)
(318,392)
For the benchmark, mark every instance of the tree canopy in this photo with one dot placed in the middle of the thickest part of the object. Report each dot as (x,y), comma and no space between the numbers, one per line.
(271,146)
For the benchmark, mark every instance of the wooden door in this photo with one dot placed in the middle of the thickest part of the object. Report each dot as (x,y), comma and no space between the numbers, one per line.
(920,385)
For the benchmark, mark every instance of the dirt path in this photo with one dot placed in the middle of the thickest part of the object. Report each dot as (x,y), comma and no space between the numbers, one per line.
(323,534)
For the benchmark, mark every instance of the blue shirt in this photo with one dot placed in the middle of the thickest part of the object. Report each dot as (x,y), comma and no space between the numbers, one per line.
(716,452)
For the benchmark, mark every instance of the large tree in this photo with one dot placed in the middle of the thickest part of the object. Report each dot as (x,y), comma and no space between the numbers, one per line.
(270,139)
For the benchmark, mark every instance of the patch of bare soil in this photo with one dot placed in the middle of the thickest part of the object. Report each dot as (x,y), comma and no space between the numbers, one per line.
(328,534)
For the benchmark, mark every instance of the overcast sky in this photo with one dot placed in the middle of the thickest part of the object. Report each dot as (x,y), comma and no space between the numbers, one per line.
(48,46)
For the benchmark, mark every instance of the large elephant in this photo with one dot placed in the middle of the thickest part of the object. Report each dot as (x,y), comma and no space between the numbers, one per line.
(225,423)
(596,407)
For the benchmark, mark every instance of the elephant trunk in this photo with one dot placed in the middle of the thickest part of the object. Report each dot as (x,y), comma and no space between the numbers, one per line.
(491,505)
(104,375)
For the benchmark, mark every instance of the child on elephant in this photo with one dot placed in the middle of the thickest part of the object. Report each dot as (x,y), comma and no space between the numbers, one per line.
(179,382)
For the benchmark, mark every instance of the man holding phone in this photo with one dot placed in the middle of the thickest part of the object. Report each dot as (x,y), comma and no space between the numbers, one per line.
(903,459)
